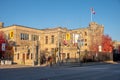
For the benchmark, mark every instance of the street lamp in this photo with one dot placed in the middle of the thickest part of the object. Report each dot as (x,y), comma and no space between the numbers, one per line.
(80,43)
(78,51)
(38,50)
(37,54)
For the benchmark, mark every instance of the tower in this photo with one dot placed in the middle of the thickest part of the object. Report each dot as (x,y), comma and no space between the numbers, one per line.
(1,25)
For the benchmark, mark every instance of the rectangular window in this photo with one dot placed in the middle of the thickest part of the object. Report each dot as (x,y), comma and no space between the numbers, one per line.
(27,56)
(34,37)
(85,33)
(15,49)
(18,56)
(21,36)
(52,39)
(52,50)
(85,44)
(31,56)
(85,40)
(24,36)
(46,39)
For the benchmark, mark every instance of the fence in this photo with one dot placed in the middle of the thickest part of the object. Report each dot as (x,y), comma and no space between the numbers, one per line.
(90,56)
(100,56)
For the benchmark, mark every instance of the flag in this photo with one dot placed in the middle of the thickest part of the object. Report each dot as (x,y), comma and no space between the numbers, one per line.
(67,36)
(92,11)
(65,42)
(75,39)
(3,46)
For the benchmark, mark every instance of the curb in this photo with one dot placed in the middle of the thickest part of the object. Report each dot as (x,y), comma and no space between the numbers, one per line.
(85,64)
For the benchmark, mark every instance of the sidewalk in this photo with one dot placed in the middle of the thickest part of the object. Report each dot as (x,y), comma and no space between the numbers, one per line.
(13,66)
(111,62)
(58,65)
(21,66)
(73,64)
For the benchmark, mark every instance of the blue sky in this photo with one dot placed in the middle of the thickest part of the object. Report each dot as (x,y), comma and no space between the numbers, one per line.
(65,13)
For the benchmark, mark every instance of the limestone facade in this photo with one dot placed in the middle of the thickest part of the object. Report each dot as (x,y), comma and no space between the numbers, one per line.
(30,43)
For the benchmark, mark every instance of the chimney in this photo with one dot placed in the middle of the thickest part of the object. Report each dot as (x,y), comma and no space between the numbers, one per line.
(1,25)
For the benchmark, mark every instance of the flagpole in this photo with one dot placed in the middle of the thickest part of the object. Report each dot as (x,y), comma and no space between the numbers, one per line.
(91,16)
(92,12)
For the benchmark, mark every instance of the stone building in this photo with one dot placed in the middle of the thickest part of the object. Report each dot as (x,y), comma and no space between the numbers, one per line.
(116,44)
(30,43)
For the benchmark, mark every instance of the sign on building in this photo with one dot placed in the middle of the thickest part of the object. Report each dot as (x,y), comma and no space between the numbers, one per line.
(3,46)
(67,36)
(100,48)
(11,34)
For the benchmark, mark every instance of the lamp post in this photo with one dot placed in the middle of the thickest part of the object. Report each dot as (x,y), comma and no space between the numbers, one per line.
(59,47)
(37,54)
(80,43)
(34,52)
(59,53)
(38,50)
(78,51)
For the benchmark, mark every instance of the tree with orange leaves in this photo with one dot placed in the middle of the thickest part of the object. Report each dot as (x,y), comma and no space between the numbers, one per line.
(2,40)
(8,53)
(107,44)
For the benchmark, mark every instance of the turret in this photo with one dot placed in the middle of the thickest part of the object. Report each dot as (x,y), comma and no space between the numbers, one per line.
(1,25)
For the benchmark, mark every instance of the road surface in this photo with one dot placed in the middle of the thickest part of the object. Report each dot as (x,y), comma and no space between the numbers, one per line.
(95,72)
